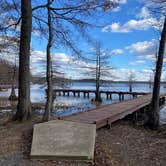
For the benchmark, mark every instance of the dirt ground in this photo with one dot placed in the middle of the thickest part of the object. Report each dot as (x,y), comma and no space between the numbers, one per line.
(123,145)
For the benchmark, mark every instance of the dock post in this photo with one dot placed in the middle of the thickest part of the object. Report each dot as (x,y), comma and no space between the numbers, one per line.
(67,93)
(163,99)
(74,94)
(54,94)
(88,95)
(59,93)
(63,93)
(78,94)
(134,96)
(107,95)
(135,117)
(108,126)
(84,94)
(122,96)
(110,96)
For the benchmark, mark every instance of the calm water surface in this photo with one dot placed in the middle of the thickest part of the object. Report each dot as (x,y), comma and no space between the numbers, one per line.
(67,105)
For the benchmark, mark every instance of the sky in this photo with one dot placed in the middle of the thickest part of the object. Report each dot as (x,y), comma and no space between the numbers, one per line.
(130,36)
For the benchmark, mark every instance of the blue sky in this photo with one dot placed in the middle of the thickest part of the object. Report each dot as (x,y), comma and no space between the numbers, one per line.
(130,35)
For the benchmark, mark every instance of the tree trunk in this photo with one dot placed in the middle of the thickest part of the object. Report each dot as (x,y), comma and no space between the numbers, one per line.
(24,104)
(130,87)
(154,111)
(97,95)
(49,101)
(13,96)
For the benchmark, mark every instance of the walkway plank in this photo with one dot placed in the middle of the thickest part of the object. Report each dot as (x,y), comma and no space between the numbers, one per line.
(109,113)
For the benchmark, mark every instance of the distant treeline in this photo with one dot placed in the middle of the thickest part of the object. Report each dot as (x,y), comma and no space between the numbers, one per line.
(42,80)
(7,71)
(109,81)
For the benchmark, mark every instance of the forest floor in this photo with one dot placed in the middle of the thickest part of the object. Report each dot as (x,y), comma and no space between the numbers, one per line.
(123,145)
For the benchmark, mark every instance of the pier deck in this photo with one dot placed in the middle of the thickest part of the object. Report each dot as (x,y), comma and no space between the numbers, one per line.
(86,93)
(107,114)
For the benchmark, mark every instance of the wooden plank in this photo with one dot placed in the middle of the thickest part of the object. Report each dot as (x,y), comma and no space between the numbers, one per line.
(109,113)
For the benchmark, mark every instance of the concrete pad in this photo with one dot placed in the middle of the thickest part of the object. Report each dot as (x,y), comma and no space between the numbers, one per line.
(59,139)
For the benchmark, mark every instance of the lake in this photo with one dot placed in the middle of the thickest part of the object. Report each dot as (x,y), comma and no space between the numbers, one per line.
(64,105)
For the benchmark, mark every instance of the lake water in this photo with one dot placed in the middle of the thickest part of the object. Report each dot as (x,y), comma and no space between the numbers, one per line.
(68,105)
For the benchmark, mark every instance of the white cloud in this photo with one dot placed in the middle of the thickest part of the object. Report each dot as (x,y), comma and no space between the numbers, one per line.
(145,49)
(116,9)
(145,13)
(140,75)
(61,63)
(144,21)
(9,48)
(116,51)
(138,62)
(119,1)
(131,25)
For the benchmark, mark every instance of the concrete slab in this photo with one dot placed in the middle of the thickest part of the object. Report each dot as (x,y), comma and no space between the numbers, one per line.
(59,139)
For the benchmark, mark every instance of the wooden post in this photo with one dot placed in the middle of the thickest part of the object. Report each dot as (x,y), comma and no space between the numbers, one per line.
(54,94)
(110,96)
(134,96)
(135,117)
(122,96)
(84,94)
(107,95)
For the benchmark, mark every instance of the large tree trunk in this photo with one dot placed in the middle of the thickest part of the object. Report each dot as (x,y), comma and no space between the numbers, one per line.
(49,101)
(154,111)
(24,105)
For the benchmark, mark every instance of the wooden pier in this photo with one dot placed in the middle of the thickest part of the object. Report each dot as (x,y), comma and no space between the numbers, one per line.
(4,86)
(107,114)
(86,93)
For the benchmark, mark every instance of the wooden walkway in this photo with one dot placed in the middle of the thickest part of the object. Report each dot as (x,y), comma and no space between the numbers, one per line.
(86,93)
(107,114)
(4,86)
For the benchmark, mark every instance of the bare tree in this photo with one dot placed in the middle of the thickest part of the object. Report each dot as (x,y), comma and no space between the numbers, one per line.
(131,79)
(98,67)
(49,101)
(63,14)
(154,113)
(158,8)
(152,74)
(63,19)
(151,80)
(12,18)
(13,96)
(24,104)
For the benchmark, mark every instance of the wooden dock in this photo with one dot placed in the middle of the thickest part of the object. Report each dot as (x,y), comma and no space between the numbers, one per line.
(4,86)
(86,93)
(107,114)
